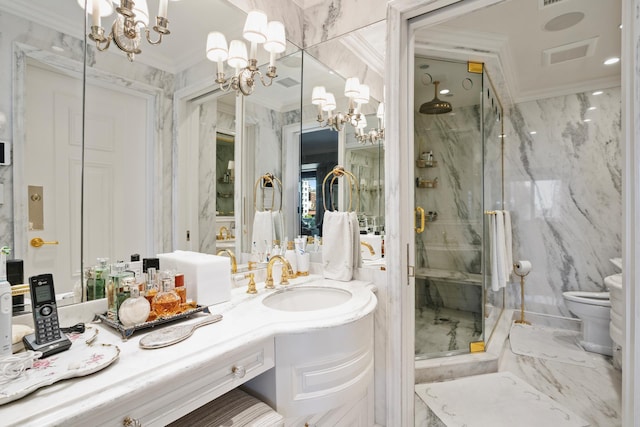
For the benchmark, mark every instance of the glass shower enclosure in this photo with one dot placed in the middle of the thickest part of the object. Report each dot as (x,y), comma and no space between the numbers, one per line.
(458,180)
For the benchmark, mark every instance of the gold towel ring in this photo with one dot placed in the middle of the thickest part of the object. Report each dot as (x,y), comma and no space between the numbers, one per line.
(276,184)
(339,172)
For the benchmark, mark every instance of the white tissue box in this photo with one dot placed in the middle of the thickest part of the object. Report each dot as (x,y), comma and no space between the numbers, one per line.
(207,277)
(376,243)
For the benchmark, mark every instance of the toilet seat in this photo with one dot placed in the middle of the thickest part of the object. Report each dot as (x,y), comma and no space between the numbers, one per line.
(614,280)
(591,298)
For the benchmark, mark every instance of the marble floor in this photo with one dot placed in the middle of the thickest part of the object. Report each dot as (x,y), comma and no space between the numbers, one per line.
(591,393)
(442,330)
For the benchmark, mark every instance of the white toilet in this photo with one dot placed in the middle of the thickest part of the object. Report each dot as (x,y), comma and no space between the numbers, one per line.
(616,327)
(594,309)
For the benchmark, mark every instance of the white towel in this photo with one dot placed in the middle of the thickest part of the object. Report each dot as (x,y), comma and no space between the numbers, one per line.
(508,242)
(262,236)
(338,246)
(355,230)
(501,250)
(278,227)
(493,249)
(500,269)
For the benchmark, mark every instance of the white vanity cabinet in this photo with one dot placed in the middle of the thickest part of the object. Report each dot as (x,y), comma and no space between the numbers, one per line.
(322,377)
(158,407)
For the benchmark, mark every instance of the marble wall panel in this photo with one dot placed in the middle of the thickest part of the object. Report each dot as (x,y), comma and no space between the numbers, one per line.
(564,189)
(330,19)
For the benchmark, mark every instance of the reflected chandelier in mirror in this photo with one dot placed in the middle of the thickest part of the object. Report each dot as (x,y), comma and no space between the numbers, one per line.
(125,31)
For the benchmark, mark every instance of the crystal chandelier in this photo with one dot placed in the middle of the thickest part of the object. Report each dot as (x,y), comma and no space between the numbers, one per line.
(131,20)
(256,31)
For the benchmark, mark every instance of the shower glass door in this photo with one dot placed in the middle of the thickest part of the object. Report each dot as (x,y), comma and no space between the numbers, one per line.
(449,202)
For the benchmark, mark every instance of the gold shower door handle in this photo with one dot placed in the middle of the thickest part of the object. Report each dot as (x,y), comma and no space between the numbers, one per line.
(419,211)
(36,242)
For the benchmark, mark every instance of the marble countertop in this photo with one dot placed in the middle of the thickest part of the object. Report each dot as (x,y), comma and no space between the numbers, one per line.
(246,321)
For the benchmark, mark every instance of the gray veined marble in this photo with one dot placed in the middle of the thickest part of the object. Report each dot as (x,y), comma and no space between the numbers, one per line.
(563,187)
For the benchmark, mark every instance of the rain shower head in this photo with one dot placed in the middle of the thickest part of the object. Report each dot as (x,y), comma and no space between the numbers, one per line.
(435,106)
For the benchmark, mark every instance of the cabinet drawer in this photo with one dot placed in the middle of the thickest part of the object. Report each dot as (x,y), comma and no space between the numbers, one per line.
(158,404)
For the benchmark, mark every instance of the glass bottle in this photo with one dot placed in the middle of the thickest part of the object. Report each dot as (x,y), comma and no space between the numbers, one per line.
(166,302)
(152,284)
(114,287)
(180,289)
(135,309)
(100,275)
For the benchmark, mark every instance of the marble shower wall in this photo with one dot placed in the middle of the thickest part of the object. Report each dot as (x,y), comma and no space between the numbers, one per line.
(563,187)
(453,242)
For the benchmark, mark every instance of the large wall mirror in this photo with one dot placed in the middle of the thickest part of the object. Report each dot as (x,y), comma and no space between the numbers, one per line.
(152,128)
(321,147)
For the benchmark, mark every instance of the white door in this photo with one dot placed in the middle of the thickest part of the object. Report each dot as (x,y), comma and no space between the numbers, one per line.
(115,175)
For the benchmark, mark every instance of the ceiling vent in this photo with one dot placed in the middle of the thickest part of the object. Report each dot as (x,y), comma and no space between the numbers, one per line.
(569,52)
(544,3)
(288,82)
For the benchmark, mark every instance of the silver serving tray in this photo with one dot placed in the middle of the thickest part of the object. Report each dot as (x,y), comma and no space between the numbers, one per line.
(127,332)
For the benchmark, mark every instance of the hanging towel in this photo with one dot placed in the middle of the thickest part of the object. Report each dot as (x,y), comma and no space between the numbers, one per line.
(355,230)
(278,227)
(337,246)
(508,242)
(493,249)
(262,234)
(501,250)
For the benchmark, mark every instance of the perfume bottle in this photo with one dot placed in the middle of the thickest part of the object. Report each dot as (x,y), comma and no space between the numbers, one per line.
(180,289)
(135,309)
(114,287)
(152,284)
(166,302)
(96,279)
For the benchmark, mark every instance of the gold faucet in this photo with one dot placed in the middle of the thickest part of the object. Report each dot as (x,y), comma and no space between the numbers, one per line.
(287,271)
(234,264)
(251,288)
(368,246)
(223,233)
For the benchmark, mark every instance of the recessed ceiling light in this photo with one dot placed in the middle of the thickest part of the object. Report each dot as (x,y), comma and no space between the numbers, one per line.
(612,61)
(596,93)
(501,135)
(444,91)
(533,132)
(591,108)
(564,21)
(586,120)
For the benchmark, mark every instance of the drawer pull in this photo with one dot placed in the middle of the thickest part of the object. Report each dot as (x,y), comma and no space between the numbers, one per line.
(238,371)
(131,422)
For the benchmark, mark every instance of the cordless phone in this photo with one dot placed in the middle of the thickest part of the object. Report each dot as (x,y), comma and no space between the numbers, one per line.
(48,338)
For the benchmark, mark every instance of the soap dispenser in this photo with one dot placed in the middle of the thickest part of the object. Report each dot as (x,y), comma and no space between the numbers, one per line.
(6,337)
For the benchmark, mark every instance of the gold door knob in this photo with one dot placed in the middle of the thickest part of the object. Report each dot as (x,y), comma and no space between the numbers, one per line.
(36,242)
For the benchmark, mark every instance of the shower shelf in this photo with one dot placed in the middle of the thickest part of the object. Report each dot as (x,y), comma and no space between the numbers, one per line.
(426,183)
(426,163)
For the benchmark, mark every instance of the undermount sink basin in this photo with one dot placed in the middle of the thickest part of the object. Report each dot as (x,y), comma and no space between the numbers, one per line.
(307,299)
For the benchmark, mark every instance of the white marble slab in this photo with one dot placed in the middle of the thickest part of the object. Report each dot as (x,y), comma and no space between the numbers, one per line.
(499,399)
(548,343)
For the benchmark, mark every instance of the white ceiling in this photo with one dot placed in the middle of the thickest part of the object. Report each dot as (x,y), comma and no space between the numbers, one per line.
(511,35)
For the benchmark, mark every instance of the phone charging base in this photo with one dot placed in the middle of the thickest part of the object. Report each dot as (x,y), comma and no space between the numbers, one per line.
(61,344)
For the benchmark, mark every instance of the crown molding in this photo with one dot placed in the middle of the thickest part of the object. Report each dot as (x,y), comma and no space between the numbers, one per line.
(62,23)
(364,51)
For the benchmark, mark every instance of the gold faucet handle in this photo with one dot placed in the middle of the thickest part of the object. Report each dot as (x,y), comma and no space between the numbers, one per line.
(284,279)
(251,287)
